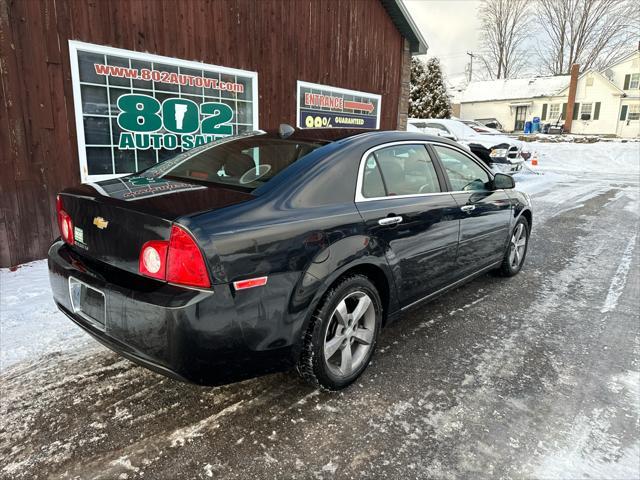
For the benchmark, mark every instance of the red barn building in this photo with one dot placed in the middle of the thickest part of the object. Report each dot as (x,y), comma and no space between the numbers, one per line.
(87,84)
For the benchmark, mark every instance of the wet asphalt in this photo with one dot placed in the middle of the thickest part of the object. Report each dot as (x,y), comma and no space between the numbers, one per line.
(536,376)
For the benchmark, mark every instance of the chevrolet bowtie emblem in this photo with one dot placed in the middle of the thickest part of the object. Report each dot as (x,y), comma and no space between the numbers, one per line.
(100,222)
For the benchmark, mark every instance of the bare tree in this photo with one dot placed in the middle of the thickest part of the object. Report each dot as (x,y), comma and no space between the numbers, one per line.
(593,33)
(504,29)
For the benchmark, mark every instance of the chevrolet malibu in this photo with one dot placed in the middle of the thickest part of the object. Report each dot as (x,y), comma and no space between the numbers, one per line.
(272,250)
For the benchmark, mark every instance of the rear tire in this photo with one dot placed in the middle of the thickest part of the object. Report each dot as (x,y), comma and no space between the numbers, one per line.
(342,335)
(517,250)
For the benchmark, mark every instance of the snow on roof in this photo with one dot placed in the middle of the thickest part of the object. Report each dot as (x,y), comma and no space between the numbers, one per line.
(514,88)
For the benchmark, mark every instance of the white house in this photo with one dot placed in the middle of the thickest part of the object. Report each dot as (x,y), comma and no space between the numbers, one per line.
(606,103)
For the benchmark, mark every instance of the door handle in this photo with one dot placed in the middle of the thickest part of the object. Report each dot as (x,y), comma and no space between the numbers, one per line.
(468,208)
(390,220)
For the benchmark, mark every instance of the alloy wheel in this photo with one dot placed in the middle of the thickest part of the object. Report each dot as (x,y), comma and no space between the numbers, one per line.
(518,246)
(350,334)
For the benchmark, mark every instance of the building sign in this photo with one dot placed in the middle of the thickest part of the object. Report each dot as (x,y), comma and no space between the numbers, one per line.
(321,106)
(135,109)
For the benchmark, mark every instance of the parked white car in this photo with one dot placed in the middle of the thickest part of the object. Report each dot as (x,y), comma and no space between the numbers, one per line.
(481,129)
(419,125)
(502,153)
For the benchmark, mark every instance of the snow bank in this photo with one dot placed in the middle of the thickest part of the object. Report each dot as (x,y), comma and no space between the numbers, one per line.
(565,162)
(30,323)
(601,157)
(533,182)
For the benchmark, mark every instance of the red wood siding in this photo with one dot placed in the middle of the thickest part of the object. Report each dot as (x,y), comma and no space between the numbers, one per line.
(348,44)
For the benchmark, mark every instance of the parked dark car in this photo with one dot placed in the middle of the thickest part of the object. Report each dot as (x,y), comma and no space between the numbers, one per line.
(262,252)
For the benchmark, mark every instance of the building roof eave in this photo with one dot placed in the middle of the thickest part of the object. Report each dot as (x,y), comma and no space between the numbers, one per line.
(518,99)
(403,21)
(592,71)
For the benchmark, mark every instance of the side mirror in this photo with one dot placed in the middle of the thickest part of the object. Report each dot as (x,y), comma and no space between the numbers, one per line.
(500,180)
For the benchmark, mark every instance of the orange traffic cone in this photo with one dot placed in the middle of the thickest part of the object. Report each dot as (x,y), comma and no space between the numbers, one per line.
(534,159)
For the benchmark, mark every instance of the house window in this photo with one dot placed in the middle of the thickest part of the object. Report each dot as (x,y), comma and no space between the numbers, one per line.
(634,82)
(589,81)
(554,111)
(585,111)
(634,112)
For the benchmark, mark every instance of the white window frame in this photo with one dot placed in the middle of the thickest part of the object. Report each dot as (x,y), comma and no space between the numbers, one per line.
(634,109)
(75,46)
(556,115)
(583,112)
(635,78)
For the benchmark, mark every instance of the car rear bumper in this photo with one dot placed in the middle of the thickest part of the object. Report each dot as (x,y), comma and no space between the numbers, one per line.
(188,334)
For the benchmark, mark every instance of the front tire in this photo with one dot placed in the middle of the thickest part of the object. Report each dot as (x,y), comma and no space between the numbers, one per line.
(342,335)
(517,250)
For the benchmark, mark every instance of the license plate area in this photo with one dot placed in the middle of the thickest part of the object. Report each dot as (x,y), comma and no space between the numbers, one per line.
(88,302)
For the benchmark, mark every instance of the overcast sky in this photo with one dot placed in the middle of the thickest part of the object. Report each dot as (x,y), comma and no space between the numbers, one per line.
(451,28)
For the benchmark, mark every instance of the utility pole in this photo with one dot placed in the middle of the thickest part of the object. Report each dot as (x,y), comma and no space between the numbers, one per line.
(471,55)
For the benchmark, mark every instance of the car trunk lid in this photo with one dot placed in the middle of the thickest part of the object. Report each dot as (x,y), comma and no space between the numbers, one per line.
(113,219)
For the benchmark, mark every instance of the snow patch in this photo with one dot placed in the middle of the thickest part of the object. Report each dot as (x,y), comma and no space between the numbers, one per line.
(619,279)
(180,436)
(31,325)
(330,467)
(591,453)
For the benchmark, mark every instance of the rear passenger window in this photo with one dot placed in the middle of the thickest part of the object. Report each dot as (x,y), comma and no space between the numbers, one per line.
(464,174)
(399,170)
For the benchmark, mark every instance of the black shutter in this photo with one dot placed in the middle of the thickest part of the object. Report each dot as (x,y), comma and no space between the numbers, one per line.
(627,79)
(576,107)
(564,111)
(596,112)
(544,112)
(623,113)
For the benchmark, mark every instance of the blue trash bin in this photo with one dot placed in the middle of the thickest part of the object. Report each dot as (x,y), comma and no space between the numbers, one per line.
(527,126)
(536,124)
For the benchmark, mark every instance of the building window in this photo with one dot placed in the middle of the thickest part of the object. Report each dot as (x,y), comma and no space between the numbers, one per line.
(634,112)
(589,81)
(585,111)
(135,109)
(634,81)
(554,111)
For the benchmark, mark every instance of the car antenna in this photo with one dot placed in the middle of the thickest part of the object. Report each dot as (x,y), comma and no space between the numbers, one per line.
(285,130)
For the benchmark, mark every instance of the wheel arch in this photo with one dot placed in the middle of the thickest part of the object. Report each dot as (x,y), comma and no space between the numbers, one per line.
(377,272)
(528,214)
(375,269)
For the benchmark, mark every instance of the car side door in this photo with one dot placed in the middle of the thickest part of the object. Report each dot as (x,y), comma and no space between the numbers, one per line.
(484,212)
(401,196)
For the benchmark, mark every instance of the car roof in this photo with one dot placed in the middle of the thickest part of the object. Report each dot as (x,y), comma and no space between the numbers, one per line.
(321,135)
(330,135)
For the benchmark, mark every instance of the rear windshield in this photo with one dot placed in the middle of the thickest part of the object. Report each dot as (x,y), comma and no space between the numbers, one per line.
(244,162)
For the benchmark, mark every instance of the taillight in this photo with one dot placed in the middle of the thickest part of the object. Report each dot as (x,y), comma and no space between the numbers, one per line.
(153,259)
(177,261)
(185,263)
(64,222)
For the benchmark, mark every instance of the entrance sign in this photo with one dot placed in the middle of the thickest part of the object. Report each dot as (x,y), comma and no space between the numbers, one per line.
(135,109)
(322,106)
